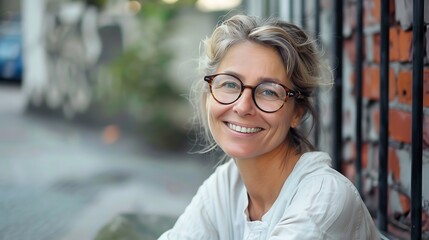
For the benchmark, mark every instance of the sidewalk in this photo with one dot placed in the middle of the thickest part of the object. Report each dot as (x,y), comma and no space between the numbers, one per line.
(61,181)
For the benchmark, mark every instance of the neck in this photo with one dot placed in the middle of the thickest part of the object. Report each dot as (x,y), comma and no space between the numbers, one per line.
(264,178)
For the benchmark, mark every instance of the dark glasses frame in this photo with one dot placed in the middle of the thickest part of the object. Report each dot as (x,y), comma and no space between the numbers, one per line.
(289,93)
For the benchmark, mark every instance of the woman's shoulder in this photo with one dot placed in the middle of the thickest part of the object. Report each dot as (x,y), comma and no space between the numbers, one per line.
(329,199)
(316,176)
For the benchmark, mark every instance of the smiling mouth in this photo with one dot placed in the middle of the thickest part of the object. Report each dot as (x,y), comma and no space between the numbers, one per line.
(241,129)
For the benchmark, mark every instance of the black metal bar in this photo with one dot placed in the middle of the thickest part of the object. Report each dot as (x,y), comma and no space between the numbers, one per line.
(384,117)
(317,20)
(291,10)
(359,60)
(303,18)
(417,120)
(319,42)
(338,88)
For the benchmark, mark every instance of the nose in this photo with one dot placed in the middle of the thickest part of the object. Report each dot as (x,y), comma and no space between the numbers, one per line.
(245,105)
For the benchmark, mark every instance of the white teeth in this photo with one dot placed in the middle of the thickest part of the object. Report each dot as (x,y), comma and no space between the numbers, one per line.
(243,129)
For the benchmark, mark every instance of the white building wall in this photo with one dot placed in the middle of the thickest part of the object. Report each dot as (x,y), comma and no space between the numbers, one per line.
(35,74)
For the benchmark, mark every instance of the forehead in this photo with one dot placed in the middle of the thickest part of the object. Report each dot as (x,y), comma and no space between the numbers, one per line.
(253,61)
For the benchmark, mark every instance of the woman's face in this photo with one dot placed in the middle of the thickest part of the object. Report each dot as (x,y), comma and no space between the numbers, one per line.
(241,129)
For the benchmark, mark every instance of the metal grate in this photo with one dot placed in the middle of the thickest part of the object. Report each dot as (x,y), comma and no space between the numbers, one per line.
(417,101)
(338,86)
(417,120)
(358,89)
(384,117)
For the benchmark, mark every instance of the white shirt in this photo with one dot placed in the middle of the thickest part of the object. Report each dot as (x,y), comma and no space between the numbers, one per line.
(315,202)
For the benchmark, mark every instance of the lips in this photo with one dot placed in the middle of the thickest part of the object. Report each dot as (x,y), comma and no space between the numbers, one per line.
(242,129)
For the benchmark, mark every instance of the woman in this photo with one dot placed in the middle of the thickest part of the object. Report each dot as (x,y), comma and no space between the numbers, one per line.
(260,75)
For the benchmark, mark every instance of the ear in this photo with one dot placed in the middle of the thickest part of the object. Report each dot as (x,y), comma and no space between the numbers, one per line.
(297,117)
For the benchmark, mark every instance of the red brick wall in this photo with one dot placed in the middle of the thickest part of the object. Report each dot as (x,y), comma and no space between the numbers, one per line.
(400,97)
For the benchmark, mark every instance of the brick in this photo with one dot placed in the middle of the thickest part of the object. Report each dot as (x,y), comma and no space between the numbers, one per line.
(372,11)
(405,93)
(405,86)
(371,83)
(393,165)
(399,125)
(405,45)
(376,38)
(395,45)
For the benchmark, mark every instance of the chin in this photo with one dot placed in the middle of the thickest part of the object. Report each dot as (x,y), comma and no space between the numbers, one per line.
(239,154)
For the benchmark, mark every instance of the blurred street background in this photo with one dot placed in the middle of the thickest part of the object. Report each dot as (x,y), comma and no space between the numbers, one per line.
(94,119)
(60,180)
(95,122)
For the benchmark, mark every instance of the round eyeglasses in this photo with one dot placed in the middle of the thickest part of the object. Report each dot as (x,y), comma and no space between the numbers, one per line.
(268,96)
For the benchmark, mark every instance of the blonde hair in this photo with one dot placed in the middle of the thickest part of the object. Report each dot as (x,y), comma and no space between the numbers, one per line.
(299,53)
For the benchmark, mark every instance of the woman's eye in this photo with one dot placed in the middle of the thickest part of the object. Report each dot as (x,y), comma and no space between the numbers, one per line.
(270,93)
(229,85)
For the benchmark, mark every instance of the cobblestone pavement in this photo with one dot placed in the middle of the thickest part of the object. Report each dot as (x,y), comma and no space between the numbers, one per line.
(60,181)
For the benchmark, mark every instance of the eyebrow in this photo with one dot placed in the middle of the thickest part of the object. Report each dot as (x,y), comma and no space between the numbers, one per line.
(260,79)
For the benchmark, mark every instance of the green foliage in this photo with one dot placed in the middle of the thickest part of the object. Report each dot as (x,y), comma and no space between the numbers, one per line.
(140,84)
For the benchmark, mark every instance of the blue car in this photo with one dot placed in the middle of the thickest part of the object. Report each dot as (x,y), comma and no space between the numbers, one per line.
(11,62)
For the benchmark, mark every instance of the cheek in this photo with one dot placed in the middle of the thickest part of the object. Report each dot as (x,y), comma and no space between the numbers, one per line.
(283,127)
(215,109)
(215,115)
(283,122)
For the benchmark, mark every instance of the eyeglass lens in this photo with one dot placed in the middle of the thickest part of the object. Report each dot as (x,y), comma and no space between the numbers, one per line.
(268,96)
